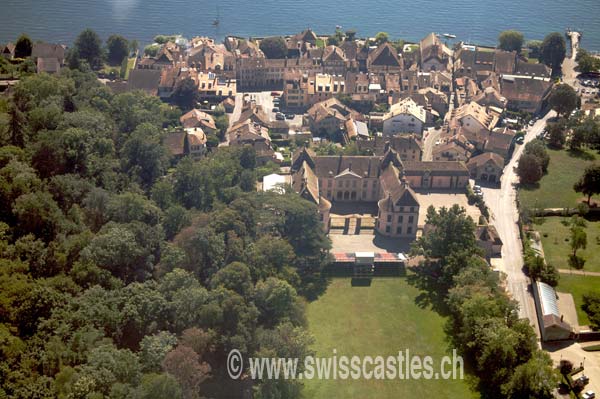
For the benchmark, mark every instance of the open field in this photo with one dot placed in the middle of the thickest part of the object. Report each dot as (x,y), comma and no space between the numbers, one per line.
(578,285)
(555,239)
(381,319)
(555,190)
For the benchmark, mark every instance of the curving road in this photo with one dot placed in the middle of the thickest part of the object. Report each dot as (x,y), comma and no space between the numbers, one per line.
(504,216)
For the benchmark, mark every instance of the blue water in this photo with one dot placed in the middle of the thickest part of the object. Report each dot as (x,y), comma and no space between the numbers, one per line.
(477,21)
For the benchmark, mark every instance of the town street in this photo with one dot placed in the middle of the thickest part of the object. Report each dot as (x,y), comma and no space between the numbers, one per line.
(432,135)
(504,216)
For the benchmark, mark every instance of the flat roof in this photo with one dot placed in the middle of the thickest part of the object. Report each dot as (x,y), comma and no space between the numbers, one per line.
(383,257)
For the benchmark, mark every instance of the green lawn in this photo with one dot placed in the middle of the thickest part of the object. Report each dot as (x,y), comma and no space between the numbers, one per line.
(578,285)
(555,190)
(129,67)
(557,249)
(378,320)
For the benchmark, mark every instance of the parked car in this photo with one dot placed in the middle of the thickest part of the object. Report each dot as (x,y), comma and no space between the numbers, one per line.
(531,122)
(275,109)
(275,94)
(588,395)
(584,380)
(520,140)
(289,116)
(279,116)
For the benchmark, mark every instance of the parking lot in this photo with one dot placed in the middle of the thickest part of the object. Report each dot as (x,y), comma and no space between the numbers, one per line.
(588,87)
(267,100)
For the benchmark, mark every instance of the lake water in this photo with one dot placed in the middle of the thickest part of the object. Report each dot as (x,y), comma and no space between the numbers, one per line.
(477,21)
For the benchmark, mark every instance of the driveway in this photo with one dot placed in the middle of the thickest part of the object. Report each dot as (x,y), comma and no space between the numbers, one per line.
(504,216)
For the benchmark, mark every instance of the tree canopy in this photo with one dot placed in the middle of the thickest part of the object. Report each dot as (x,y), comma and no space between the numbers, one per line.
(511,40)
(88,47)
(117,49)
(563,99)
(274,47)
(589,183)
(553,51)
(23,47)
(129,273)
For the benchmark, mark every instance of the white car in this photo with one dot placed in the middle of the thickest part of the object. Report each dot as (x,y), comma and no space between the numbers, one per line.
(588,395)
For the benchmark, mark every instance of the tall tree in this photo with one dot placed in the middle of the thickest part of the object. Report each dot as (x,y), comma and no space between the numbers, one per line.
(117,48)
(537,148)
(23,47)
(274,47)
(556,130)
(529,169)
(382,37)
(186,94)
(578,241)
(533,379)
(553,51)
(89,47)
(511,40)
(589,182)
(184,364)
(563,99)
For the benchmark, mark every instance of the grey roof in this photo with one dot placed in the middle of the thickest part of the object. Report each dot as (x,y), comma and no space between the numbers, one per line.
(548,299)
(144,79)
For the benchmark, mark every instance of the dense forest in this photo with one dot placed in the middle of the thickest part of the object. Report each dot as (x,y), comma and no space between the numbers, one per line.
(125,273)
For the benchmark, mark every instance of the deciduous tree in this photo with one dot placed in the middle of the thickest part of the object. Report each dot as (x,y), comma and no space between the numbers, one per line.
(117,49)
(553,51)
(563,99)
(529,169)
(274,47)
(89,48)
(589,183)
(23,47)
(511,40)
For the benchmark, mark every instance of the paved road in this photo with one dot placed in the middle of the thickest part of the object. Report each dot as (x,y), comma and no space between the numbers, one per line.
(234,116)
(504,215)
(431,137)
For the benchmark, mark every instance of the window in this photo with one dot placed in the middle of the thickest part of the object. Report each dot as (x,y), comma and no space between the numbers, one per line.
(389,218)
(409,230)
(412,209)
(399,230)
(400,219)
(387,229)
(354,184)
(411,219)
(328,183)
(401,209)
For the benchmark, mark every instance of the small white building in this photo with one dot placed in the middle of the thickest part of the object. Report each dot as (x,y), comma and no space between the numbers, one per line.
(405,117)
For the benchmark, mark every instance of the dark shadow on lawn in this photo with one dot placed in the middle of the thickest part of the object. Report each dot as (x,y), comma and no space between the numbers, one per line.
(581,154)
(361,282)
(528,187)
(425,277)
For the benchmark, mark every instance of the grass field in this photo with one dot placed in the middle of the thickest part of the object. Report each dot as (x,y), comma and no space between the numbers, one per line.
(378,320)
(555,190)
(578,285)
(128,68)
(557,248)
